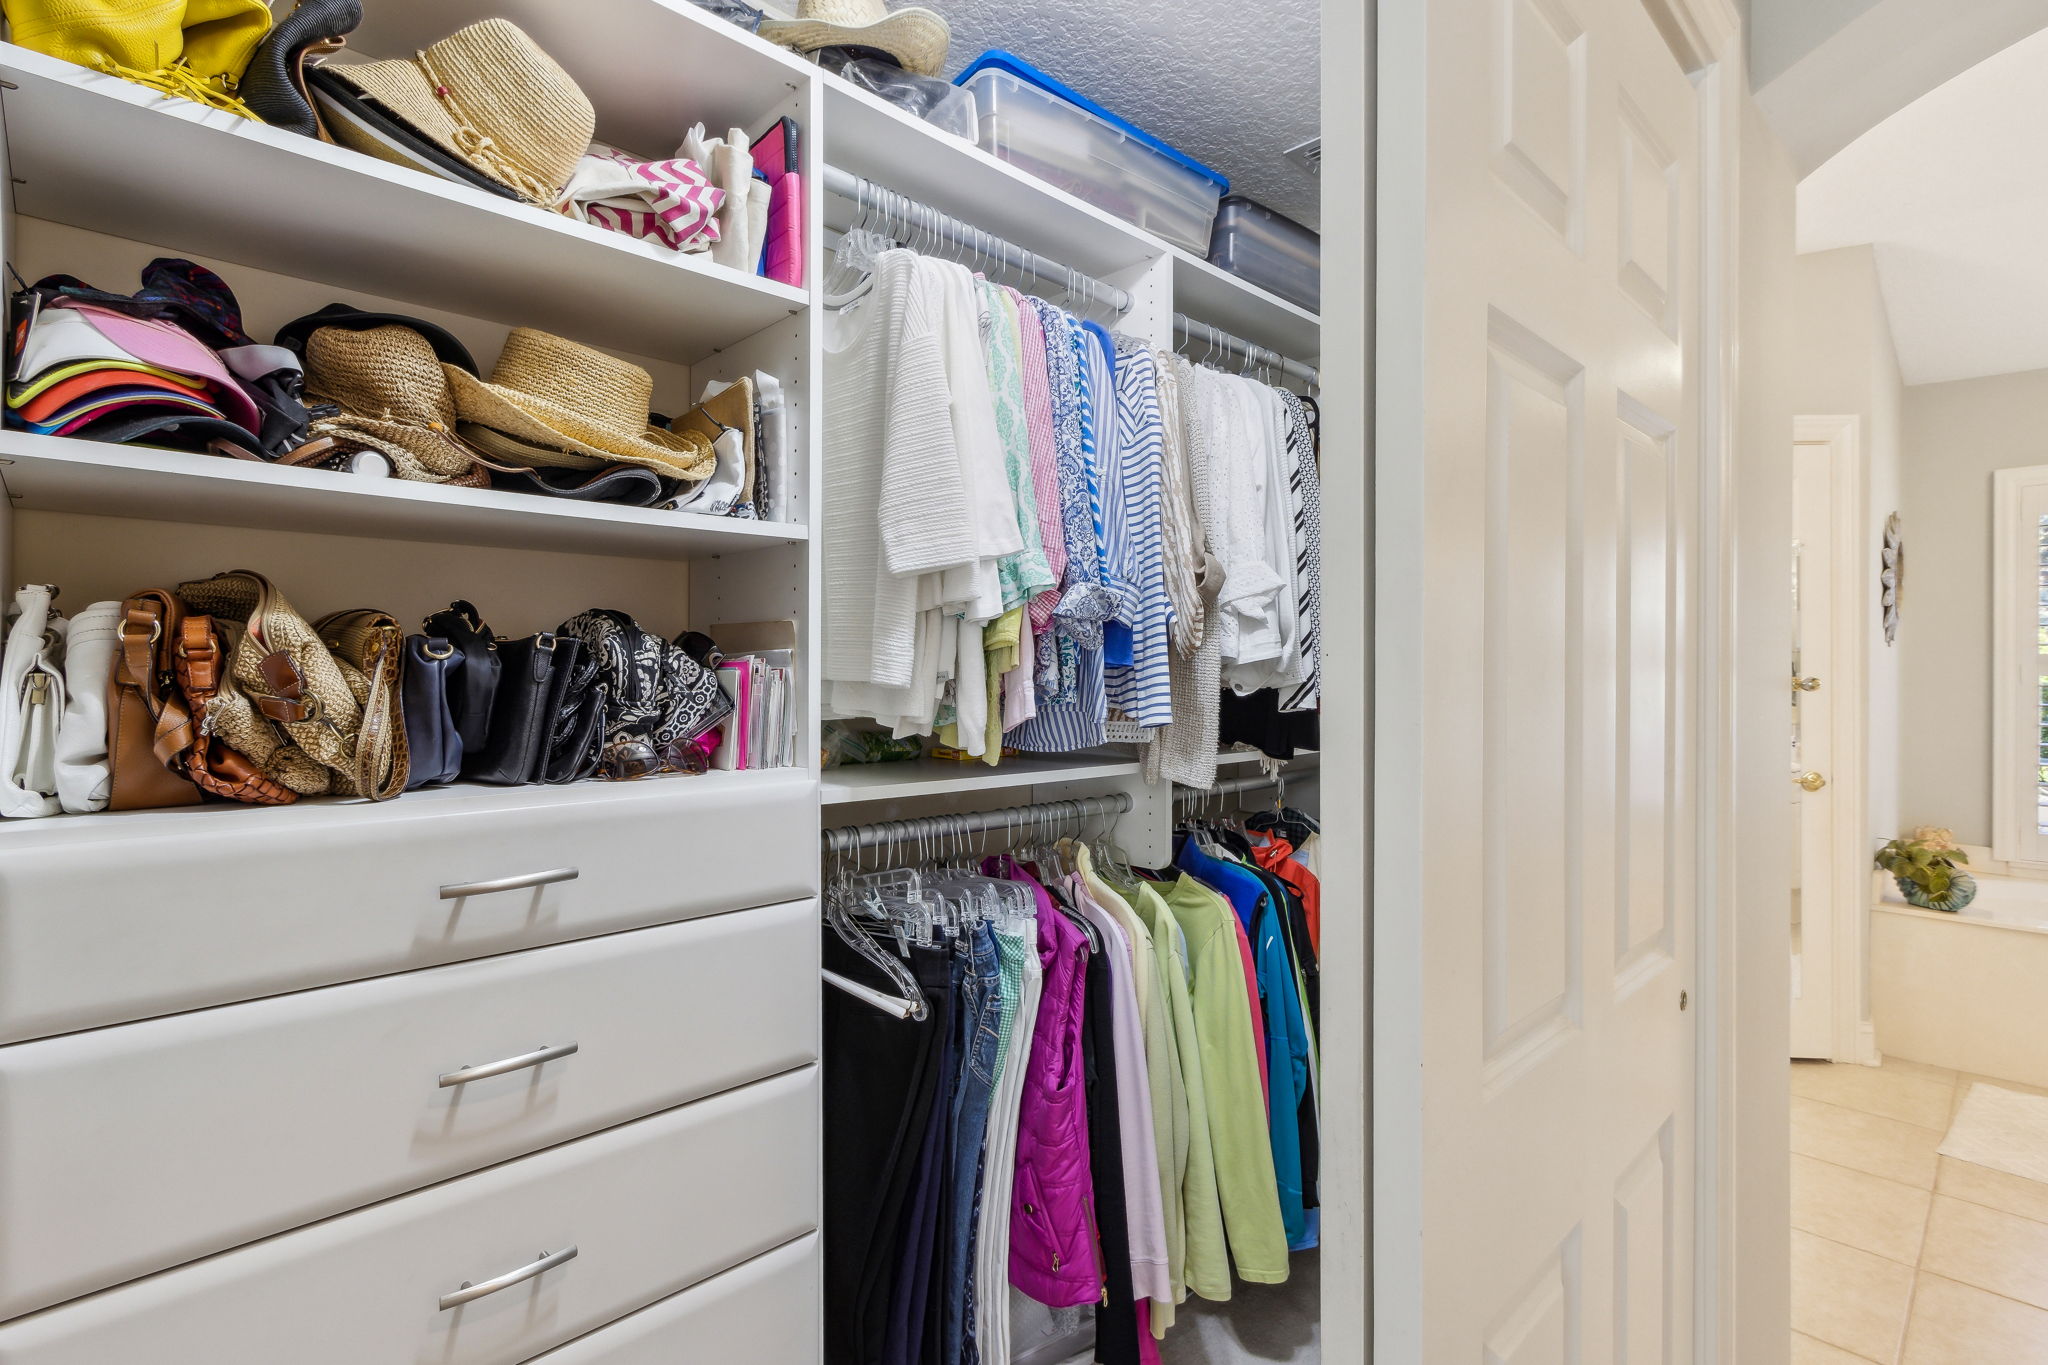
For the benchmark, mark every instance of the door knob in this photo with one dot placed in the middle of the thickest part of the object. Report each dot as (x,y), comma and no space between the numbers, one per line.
(1813,782)
(1806,684)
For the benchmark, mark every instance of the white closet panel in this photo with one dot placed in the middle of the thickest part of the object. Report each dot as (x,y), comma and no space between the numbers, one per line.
(766,1312)
(651,1208)
(126,915)
(217,1127)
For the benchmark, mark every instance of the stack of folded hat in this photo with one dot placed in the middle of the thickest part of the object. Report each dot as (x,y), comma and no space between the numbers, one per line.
(168,365)
(555,417)
(566,419)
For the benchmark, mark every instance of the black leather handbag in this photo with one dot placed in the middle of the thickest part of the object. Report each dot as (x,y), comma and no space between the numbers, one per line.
(433,673)
(576,709)
(475,684)
(522,713)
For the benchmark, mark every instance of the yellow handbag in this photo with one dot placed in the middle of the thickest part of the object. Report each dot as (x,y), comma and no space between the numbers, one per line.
(197,49)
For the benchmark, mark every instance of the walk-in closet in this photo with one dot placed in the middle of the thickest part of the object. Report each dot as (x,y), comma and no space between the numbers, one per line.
(667,681)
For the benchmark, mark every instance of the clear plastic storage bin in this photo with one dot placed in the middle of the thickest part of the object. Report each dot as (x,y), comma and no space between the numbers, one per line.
(1091,158)
(1269,250)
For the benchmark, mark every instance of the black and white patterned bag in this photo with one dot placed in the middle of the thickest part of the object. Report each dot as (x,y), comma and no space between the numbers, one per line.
(656,693)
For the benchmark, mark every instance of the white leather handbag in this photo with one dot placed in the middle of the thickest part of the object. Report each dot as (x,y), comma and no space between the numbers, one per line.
(31,705)
(84,777)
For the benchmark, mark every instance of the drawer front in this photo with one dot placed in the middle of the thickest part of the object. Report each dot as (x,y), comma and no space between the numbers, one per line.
(651,1207)
(126,1150)
(766,1312)
(140,914)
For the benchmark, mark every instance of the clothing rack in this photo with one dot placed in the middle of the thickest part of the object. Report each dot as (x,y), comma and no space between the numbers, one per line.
(935,828)
(1197,331)
(914,216)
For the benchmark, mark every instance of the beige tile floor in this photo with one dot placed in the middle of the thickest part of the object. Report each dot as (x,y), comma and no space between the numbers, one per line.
(1902,1256)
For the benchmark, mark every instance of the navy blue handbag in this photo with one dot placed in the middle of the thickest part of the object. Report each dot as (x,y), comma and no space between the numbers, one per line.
(432,668)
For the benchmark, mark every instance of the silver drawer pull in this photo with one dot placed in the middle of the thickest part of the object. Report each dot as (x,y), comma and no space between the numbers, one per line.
(524,879)
(519,1063)
(470,1292)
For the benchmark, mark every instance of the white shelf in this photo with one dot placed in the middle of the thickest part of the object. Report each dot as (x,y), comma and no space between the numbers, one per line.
(1209,294)
(87,149)
(62,474)
(650,67)
(869,782)
(1239,758)
(873,138)
(655,795)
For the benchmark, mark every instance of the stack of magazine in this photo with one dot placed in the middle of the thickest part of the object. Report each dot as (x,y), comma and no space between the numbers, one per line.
(759,676)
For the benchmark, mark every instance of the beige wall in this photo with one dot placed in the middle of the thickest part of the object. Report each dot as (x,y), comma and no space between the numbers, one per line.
(1757,997)
(1847,366)
(1956,434)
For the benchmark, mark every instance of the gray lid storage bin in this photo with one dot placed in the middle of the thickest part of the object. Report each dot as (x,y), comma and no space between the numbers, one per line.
(1269,250)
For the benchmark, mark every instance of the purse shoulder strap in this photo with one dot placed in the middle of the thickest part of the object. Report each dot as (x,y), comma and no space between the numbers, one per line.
(383,763)
(150,627)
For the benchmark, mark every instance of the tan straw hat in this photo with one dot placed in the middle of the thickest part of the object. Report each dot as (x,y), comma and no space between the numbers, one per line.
(548,391)
(393,396)
(489,95)
(916,37)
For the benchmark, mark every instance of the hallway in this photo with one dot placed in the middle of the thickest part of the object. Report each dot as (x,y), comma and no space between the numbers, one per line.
(1900,1255)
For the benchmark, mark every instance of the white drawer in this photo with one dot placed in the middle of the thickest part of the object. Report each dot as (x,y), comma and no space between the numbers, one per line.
(766,1312)
(125,1150)
(652,1208)
(111,917)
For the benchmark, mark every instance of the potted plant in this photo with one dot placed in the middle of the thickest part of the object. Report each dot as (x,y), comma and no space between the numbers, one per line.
(1925,868)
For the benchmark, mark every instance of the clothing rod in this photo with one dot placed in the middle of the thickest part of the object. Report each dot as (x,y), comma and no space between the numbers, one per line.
(854,838)
(1230,786)
(919,216)
(1196,330)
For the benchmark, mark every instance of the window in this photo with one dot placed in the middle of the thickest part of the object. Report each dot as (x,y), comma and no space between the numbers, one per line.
(2019,725)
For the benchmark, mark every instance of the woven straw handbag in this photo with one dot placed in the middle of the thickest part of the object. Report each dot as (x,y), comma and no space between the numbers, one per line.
(294,708)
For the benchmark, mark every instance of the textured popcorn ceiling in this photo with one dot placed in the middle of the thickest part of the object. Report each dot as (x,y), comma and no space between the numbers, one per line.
(1232,83)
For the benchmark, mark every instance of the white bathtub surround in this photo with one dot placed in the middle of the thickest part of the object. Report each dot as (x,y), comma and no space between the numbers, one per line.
(2006,1130)
(1965,991)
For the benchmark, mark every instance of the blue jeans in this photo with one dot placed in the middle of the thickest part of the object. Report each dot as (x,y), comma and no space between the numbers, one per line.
(981,1008)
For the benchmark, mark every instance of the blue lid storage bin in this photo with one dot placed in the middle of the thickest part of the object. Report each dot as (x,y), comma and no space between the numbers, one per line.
(1269,250)
(1041,127)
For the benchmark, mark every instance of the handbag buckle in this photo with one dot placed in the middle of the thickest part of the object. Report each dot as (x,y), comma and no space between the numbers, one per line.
(446,649)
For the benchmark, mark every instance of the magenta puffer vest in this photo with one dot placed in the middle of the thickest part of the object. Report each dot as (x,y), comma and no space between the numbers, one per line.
(1052,1210)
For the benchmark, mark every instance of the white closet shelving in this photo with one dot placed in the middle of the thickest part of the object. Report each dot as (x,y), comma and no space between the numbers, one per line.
(122,936)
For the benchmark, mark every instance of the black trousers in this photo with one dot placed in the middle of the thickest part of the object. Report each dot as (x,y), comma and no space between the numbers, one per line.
(1116,1326)
(881,1076)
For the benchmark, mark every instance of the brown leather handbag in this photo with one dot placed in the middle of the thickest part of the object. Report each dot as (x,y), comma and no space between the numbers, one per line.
(148,727)
(167,668)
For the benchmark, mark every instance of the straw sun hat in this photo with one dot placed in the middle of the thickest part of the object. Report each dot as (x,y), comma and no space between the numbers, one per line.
(916,37)
(550,395)
(489,95)
(394,398)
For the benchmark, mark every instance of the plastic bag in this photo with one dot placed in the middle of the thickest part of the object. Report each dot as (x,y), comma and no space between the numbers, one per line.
(940,103)
(845,744)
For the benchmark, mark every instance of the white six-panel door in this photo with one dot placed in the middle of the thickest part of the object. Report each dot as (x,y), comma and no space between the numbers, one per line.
(1554,774)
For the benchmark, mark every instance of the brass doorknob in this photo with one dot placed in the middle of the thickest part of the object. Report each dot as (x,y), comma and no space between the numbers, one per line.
(1813,782)
(1806,684)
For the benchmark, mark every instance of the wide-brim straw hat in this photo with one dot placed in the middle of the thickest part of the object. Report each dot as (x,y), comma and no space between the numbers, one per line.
(394,397)
(489,95)
(550,392)
(916,37)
